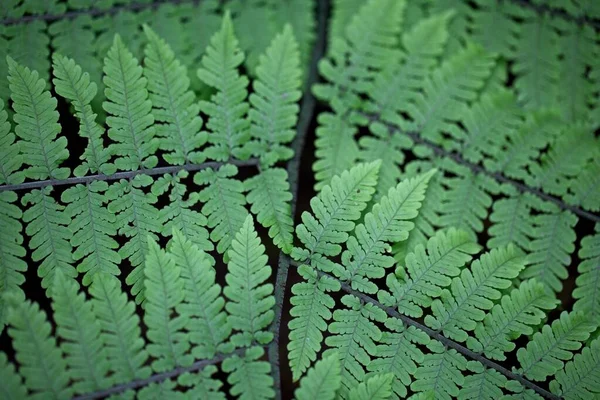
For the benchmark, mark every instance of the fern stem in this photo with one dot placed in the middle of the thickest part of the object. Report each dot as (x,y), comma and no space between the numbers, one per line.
(127,174)
(156,378)
(444,340)
(293,167)
(478,169)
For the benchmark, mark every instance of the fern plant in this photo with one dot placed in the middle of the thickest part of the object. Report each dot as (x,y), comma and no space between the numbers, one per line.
(160,238)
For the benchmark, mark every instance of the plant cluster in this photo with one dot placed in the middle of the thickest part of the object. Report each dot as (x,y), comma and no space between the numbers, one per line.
(451,248)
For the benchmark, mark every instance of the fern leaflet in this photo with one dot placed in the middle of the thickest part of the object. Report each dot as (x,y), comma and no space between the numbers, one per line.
(11,159)
(321,381)
(249,378)
(587,292)
(579,379)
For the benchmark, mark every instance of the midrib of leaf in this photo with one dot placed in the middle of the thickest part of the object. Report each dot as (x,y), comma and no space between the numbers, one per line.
(543,271)
(313,301)
(49,229)
(464,193)
(93,226)
(272,203)
(165,315)
(383,230)
(352,341)
(459,305)
(514,219)
(136,222)
(226,107)
(128,112)
(275,104)
(225,208)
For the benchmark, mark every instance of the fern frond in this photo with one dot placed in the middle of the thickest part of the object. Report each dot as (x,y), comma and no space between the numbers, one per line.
(269,196)
(335,209)
(322,381)
(369,43)
(228,107)
(376,387)
(203,305)
(398,353)
(249,378)
(301,16)
(353,338)
(40,359)
(546,353)
(179,213)
(579,379)
(130,111)
(467,199)
(587,290)
(173,102)
(92,229)
(426,273)
(536,64)
(12,252)
(335,148)
(37,125)
(388,222)
(80,334)
(76,86)
(474,291)
(395,86)
(493,27)
(223,203)
(512,220)
(584,189)
(441,372)
(46,224)
(11,159)
(250,295)
(517,312)
(202,384)
(311,308)
(273,104)
(12,387)
(164,293)
(135,220)
(484,383)
(448,91)
(121,334)
(162,390)
(549,252)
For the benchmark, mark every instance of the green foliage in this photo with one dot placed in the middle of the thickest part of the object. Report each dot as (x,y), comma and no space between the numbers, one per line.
(248,377)
(579,379)
(588,281)
(321,381)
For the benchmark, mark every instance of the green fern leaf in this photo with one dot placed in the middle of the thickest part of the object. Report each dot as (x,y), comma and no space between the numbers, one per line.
(269,196)
(250,296)
(12,253)
(11,159)
(483,384)
(47,226)
(335,209)
(164,293)
(397,352)
(121,334)
(387,222)
(227,108)
(427,272)
(37,125)
(546,353)
(249,378)
(223,203)
(80,334)
(321,381)
(12,387)
(512,220)
(136,220)
(92,227)
(74,85)
(585,188)
(353,338)
(554,241)
(163,390)
(179,213)
(377,387)
(473,293)
(174,104)
(273,110)
(130,111)
(41,362)
(579,379)
(441,372)
(202,384)
(203,305)
(517,312)
(311,308)
(587,291)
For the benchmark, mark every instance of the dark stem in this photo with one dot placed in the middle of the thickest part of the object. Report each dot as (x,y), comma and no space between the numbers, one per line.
(127,174)
(306,115)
